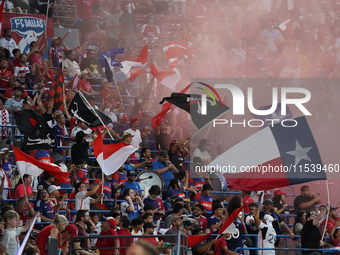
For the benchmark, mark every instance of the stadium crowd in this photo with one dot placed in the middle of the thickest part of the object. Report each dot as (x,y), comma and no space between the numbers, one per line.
(259,39)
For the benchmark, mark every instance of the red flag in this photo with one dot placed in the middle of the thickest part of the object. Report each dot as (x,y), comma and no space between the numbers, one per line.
(29,165)
(74,82)
(193,240)
(173,50)
(156,121)
(134,68)
(230,220)
(1,13)
(56,91)
(111,157)
(167,78)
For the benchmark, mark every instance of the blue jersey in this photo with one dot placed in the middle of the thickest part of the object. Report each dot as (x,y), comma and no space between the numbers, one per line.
(134,185)
(167,175)
(125,205)
(59,133)
(7,167)
(236,239)
(45,209)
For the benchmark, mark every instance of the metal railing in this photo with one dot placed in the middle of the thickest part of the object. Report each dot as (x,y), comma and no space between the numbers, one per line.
(181,247)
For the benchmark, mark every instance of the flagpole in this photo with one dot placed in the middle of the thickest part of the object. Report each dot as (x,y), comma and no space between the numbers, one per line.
(328,199)
(48,7)
(101,200)
(94,112)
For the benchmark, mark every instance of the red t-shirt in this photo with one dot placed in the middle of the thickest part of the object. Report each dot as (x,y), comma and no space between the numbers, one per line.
(4,81)
(85,85)
(25,215)
(330,224)
(218,246)
(124,242)
(10,92)
(16,61)
(36,57)
(84,9)
(246,201)
(151,240)
(48,79)
(107,242)
(149,31)
(42,238)
(105,93)
(55,54)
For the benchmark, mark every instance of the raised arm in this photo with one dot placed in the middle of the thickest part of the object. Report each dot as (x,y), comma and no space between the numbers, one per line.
(94,189)
(257,215)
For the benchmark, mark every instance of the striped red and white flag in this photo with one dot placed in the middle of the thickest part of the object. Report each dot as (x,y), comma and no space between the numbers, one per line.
(132,69)
(111,157)
(168,78)
(74,82)
(29,165)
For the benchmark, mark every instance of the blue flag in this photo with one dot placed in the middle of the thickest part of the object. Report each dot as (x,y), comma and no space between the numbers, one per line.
(110,55)
(108,70)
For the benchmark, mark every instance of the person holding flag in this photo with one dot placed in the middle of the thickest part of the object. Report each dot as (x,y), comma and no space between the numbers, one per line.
(221,246)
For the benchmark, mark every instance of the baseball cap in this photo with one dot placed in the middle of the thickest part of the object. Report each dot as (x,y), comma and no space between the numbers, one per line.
(72,229)
(104,81)
(5,150)
(133,120)
(207,186)
(83,72)
(55,38)
(148,225)
(111,220)
(268,202)
(173,142)
(27,102)
(123,116)
(127,133)
(131,173)
(333,208)
(52,188)
(279,192)
(175,218)
(163,154)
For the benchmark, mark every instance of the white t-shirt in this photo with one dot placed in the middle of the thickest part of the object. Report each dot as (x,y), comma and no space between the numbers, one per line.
(86,132)
(12,103)
(72,67)
(5,191)
(82,201)
(136,234)
(205,156)
(266,239)
(10,45)
(137,139)
(11,240)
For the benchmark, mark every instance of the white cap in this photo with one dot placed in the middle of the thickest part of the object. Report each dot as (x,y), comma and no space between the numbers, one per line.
(53,188)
